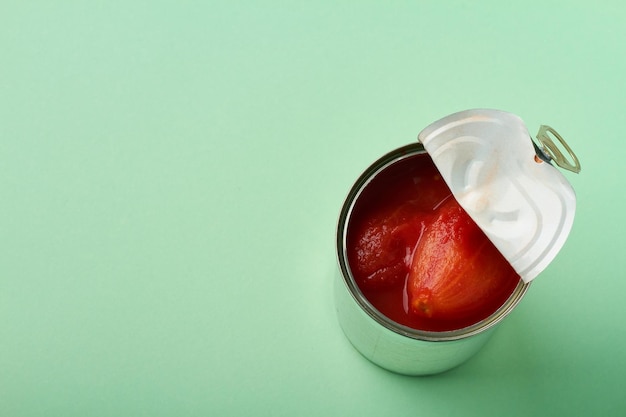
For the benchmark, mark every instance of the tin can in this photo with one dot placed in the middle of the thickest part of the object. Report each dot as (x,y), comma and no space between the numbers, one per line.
(386,343)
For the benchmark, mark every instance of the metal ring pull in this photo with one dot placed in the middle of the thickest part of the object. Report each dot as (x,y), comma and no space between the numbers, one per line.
(551,151)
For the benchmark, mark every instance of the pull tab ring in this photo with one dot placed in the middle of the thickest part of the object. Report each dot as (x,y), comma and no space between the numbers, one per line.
(549,148)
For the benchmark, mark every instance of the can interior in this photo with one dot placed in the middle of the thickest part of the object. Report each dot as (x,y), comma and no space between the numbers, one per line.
(342,231)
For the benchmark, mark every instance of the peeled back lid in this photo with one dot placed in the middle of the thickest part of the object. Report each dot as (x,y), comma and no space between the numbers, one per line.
(524,205)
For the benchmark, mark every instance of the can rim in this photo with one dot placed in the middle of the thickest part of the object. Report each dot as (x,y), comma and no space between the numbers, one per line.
(361,183)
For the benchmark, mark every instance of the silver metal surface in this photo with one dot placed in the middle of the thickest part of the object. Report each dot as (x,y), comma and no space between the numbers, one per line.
(551,151)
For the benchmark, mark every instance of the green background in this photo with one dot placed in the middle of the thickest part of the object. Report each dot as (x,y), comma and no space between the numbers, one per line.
(171,175)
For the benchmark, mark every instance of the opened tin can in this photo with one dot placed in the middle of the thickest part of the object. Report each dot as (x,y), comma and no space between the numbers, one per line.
(410,350)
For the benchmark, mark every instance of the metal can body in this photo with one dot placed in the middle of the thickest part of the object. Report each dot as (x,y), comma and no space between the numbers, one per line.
(389,344)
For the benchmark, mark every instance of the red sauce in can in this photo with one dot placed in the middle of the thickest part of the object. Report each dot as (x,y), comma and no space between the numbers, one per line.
(418,257)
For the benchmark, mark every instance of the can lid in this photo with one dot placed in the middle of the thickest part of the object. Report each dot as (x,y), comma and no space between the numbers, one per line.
(506,184)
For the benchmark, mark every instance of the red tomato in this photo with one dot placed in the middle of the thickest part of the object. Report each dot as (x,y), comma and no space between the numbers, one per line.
(456,271)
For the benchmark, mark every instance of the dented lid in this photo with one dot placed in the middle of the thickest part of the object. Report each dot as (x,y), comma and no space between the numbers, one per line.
(524,204)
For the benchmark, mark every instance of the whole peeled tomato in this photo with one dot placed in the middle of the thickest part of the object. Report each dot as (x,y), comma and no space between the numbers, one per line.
(456,272)
(383,245)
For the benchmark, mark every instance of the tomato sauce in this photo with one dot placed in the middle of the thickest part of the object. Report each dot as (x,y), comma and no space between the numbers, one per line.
(418,257)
